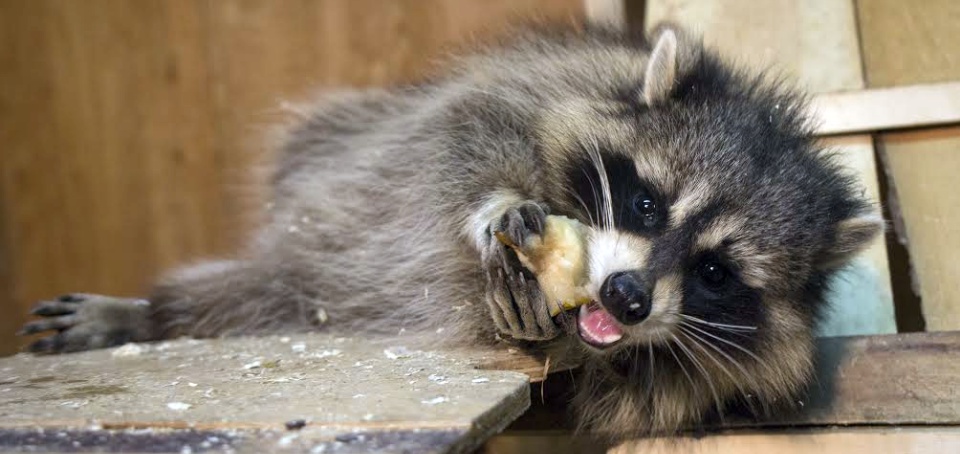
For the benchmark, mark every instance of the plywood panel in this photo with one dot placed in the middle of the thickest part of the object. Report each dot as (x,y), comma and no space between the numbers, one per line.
(814,42)
(908,43)
(817,47)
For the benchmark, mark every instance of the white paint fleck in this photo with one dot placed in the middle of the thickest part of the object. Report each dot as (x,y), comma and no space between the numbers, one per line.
(192,385)
(326,353)
(284,340)
(298,347)
(127,350)
(74,403)
(287,440)
(397,352)
(480,380)
(253,365)
(435,400)
(322,316)
(178,406)
(357,396)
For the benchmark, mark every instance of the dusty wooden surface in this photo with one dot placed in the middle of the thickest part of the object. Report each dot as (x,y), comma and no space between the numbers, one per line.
(353,395)
(819,49)
(911,43)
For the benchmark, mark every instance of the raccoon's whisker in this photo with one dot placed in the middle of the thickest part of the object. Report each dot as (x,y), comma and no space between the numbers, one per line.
(701,342)
(582,204)
(597,201)
(719,325)
(677,359)
(732,344)
(650,368)
(604,183)
(703,371)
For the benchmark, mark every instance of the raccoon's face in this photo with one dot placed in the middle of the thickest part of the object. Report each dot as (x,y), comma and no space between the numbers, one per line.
(717,219)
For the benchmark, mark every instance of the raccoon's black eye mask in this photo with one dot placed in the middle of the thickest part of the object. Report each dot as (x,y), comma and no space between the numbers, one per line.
(636,205)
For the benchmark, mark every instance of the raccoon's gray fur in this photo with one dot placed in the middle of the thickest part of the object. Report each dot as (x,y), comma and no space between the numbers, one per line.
(704,185)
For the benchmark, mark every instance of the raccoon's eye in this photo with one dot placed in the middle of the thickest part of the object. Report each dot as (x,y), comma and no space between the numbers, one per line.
(712,273)
(646,207)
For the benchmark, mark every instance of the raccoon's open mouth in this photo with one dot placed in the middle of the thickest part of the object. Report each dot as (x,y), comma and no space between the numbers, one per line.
(597,327)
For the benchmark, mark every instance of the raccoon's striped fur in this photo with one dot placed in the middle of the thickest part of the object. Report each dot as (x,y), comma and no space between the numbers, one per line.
(703,185)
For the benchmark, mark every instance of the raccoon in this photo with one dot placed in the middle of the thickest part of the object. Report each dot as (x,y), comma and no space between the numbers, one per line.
(716,222)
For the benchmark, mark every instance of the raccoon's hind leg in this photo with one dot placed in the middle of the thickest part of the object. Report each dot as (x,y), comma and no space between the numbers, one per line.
(207,300)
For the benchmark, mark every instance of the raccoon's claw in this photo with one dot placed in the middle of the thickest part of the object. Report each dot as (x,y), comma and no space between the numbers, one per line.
(517,305)
(85,322)
(521,222)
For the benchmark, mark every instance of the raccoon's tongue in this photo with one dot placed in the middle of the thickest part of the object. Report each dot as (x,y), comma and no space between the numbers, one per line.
(597,326)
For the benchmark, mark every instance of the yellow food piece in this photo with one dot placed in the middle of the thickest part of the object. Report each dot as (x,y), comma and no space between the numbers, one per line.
(558,258)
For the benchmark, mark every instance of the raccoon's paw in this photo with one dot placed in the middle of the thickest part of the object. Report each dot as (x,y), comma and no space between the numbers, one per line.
(86,322)
(521,222)
(517,304)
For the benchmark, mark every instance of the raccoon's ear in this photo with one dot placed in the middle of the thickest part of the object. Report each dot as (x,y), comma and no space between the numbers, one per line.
(852,236)
(661,68)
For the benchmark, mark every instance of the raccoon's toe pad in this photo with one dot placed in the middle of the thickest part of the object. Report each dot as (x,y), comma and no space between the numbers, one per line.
(85,322)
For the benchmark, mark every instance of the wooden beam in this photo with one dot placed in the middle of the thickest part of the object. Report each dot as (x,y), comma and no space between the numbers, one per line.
(887,108)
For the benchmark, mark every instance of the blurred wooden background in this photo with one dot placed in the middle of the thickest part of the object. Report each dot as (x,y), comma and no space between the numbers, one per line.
(126,127)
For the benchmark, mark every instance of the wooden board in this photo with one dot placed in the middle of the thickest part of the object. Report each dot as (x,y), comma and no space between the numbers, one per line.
(880,109)
(906,378)
(913,43)
(819,48)
(906,440)
(353,394)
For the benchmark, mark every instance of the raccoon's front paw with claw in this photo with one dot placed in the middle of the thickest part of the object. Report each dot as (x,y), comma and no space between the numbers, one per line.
(516,302)
(86,322)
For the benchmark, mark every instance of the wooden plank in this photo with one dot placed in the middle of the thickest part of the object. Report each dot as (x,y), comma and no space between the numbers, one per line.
(819,48)
(887,108)
(357,392)
(899,440)
(906,378)
(924,167)
(612,12)
(913,43)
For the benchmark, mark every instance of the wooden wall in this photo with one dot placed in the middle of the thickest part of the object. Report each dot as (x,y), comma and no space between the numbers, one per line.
(913,43)
(126,126)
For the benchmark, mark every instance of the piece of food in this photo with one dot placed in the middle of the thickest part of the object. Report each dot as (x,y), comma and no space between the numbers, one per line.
(558,258)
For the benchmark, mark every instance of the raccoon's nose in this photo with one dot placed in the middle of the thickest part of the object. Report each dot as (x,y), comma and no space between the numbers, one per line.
(625,297)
